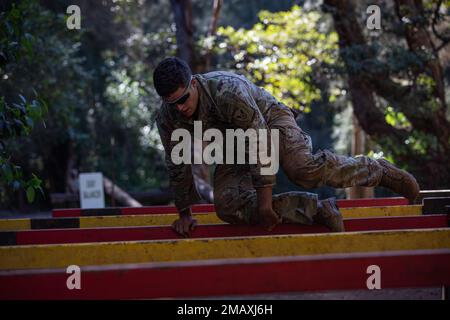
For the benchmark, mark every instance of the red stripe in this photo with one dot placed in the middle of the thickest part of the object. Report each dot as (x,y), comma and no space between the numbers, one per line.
(66,213)
(376,202)
(198,208)
(50,236)
(205,208)
(242,276)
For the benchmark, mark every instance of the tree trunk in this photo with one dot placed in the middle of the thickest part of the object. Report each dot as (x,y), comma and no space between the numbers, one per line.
(359,147)
(182,11)
(418,109)
(370,118)
(217,5)
(56,166)
(420,42)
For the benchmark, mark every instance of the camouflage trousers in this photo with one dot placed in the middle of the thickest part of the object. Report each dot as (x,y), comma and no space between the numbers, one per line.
(235,197)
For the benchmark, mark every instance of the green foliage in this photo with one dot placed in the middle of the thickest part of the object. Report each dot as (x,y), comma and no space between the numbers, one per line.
(286,52)
(97,86)
(396,119)
(17,118)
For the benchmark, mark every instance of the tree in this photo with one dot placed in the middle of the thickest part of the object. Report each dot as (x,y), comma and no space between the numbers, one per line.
(97,101)
(291,54)
(397,90)
(18,114)
(199,62)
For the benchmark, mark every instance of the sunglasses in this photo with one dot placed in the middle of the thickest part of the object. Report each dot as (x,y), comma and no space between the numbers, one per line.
(181,100)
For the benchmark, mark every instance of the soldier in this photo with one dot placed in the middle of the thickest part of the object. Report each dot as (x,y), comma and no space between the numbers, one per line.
(224,100)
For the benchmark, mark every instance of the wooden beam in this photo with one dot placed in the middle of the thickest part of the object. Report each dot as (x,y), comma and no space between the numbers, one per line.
(101,253)
(144,219)
(403,269)
(206,208)
(55,236)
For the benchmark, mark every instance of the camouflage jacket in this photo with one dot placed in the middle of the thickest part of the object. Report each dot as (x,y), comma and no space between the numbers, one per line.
(226,101)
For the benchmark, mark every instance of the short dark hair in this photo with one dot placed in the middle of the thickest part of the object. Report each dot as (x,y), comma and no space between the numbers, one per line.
(171,74)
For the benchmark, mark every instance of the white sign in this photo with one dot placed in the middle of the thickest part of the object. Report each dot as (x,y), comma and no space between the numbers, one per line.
(91,190)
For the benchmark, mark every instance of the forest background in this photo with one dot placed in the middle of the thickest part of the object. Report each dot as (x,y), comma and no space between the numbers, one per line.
(82,100)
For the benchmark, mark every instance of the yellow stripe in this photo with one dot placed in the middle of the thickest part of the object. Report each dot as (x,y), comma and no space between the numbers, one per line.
(390,211)
(54,256)
(142,220)
(210,218)
(15,224)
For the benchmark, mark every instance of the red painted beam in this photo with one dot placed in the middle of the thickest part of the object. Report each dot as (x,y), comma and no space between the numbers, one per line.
(205,208)
(374,202)
(54,236)
(64,213)
(421,268)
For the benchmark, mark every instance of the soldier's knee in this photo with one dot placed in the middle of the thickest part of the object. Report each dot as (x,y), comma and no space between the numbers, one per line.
(231,215)
(225,208)
(234,205)
(225,213)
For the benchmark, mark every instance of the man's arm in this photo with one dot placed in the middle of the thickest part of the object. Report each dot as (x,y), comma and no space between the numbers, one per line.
(268,218)
(243,112)
(181,180)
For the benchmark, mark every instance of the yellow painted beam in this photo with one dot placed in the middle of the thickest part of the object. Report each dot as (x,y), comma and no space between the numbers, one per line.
(63,255)
(15,224)
(389,211)
(142,220)
(210,218)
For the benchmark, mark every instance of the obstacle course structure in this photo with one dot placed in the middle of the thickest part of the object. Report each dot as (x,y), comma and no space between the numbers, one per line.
(133,253)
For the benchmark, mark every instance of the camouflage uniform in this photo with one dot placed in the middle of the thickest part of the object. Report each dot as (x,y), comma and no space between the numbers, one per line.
(230,101)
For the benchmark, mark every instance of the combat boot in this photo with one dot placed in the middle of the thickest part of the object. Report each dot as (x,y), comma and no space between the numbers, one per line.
(328,215)
(399,181)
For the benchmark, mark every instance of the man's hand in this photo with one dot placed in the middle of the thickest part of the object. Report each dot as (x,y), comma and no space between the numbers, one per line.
(185,224)
(267,217)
